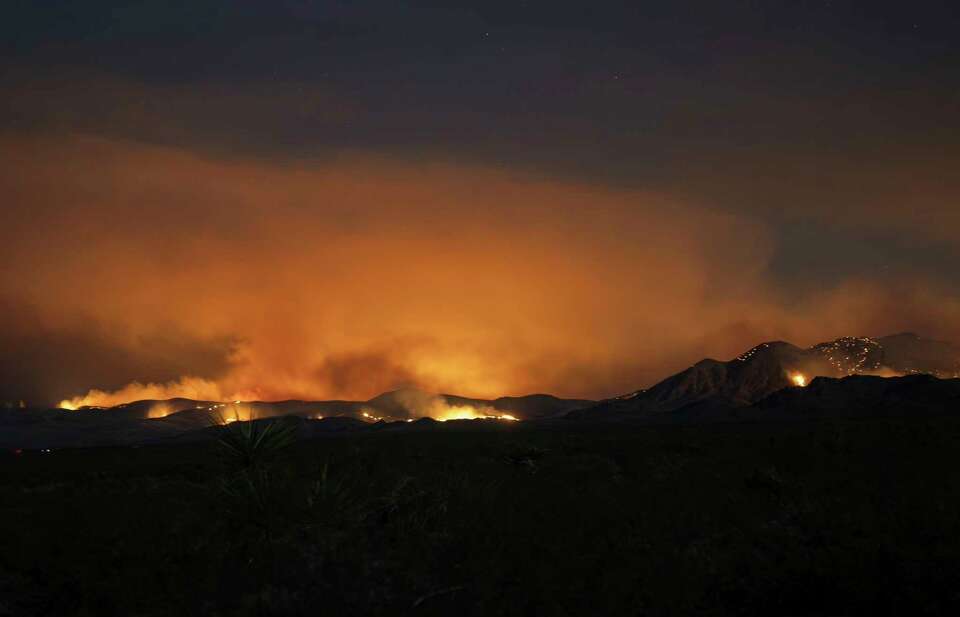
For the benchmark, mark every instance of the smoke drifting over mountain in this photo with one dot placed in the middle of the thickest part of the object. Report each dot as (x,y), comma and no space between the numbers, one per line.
(344,277)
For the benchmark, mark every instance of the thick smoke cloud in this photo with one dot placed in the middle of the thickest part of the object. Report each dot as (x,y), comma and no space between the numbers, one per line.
(229,277)
(45,360)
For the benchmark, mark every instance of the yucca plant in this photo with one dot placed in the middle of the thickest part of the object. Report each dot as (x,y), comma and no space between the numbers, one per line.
(246,445)
(330,496)
(254,492)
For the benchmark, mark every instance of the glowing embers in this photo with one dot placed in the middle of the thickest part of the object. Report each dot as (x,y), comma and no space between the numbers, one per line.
(160,410)
(466,412)
(852,355)
(75,406)
(227,413)
(749,354)
(798,379)
(444,413)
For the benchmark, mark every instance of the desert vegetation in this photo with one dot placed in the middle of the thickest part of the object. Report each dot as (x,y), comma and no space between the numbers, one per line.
(830,518)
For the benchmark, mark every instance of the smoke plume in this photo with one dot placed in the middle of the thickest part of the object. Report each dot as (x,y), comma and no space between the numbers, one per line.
(343,277)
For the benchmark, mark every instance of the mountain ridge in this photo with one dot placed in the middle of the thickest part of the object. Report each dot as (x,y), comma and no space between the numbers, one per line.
(898,374)
(776,366)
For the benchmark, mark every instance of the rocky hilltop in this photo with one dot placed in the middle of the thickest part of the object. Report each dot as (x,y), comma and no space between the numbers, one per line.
(712,387)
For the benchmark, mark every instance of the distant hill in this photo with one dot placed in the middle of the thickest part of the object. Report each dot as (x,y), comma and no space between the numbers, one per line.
(911,354)
(712,386)
(898,374)
(159,420)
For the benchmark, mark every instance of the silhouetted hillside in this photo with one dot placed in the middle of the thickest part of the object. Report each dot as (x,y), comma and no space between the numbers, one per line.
(759,384)
(151,421)
(711,388)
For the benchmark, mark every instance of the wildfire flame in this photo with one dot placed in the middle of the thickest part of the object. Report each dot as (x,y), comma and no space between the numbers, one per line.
(160,410)
(799,380)
(466,412)
(227,413)
(442,413)
(186,387)
(416,405)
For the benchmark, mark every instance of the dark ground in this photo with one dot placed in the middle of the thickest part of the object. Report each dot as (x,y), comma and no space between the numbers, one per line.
(828,518)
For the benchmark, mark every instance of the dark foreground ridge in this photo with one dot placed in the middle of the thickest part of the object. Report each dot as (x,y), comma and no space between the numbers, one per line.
(820,518)
(856,396)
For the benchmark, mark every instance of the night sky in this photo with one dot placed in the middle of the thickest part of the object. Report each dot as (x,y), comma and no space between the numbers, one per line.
(297,199)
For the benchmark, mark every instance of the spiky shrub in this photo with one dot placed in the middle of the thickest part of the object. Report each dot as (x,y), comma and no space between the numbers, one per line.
(252,480)
(330,497)
(247,445)
(254,495)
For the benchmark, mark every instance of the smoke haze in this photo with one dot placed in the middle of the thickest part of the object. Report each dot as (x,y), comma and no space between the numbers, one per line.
(222,278)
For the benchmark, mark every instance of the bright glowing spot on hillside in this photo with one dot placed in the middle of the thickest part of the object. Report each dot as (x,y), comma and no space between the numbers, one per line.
(160,410)
(466,412)
(799,380)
